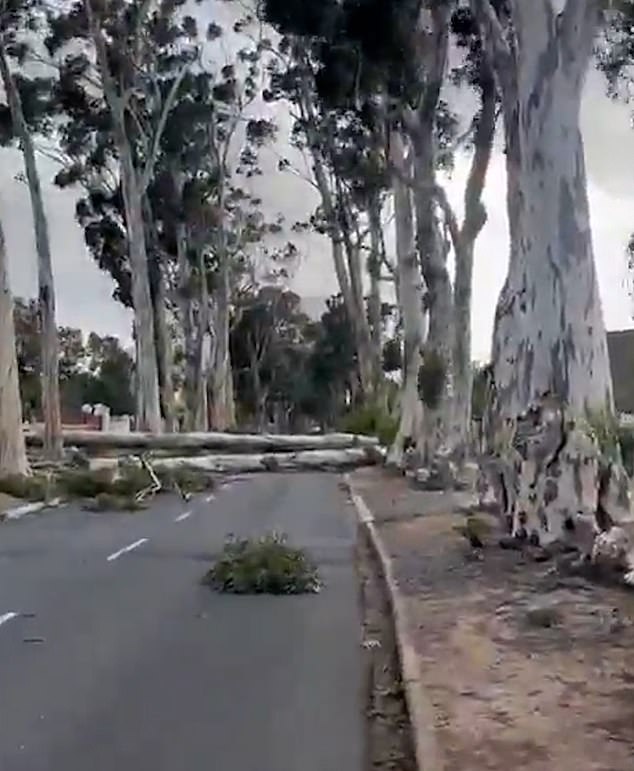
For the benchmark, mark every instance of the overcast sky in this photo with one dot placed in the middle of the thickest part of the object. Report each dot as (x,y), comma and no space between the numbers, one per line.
(84,294)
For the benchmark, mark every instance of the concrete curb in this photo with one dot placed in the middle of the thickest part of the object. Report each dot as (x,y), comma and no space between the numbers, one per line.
(420,709)
(17,512)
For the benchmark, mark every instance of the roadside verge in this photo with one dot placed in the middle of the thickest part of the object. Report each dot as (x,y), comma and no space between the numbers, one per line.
(420,710)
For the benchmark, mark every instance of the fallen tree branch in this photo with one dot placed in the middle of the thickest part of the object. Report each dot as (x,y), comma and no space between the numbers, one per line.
(232,443)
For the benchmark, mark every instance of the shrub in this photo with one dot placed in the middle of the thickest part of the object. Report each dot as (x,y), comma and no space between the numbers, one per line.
(187,480)
(91,484)
(30,488)
(371,420)
(432,375)
(264,566)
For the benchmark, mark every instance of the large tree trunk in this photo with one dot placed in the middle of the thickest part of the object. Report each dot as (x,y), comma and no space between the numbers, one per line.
(411,293)
(552,293)
(550,349)
(433,256)
(98,441)
(46,288)
(12,447)
(431,245)
(464,246)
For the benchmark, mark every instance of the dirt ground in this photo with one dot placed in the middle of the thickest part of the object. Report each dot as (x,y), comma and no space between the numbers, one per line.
(389,742)
(524,666)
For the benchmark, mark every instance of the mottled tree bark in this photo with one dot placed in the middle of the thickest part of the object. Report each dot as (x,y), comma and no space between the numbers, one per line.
(549,344)
(49,343)
(550,336)
(12,447)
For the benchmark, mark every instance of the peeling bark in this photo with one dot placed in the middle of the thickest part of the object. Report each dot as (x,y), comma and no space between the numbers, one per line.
(46,287)
(550,336)
(549,349)
(12,446)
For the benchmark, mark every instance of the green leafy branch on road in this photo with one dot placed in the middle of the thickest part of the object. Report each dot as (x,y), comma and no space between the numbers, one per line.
(267,565)
(107,489)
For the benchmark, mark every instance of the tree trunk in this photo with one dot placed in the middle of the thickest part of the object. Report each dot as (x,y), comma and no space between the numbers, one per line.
(196,334)
(411,295)
(46,288)
(100,442)
(164,350)
(12,447)
(149,418)
(464,246)
(431,246)
(222,405)
(433,257)
(552,291)
(374,303)
(550,351)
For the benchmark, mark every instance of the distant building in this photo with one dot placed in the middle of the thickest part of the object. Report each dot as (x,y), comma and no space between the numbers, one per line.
(621,352)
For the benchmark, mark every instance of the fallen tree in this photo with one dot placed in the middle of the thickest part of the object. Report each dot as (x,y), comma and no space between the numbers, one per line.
(97,442)
(308,460)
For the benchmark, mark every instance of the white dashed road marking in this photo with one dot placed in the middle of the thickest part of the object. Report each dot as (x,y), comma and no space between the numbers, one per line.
(126,549)
(181,517)
(7,617)
(210,498)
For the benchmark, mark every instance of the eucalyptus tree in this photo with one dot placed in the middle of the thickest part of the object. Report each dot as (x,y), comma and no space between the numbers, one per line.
(13,458)
(22,23)
(121,68)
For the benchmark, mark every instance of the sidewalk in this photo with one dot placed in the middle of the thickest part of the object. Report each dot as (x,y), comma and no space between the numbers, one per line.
(518,666)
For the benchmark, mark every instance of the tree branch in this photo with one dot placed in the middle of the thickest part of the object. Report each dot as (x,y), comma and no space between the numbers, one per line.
(496,46)
(158,134)
(475,213)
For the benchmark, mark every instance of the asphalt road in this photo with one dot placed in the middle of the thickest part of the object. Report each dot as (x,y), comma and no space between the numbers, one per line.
(113,657)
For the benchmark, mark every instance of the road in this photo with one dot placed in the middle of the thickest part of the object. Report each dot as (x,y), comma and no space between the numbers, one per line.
(114,656)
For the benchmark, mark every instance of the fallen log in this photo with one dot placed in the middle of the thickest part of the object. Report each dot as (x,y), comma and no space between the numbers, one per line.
(307,460)
(96,441)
